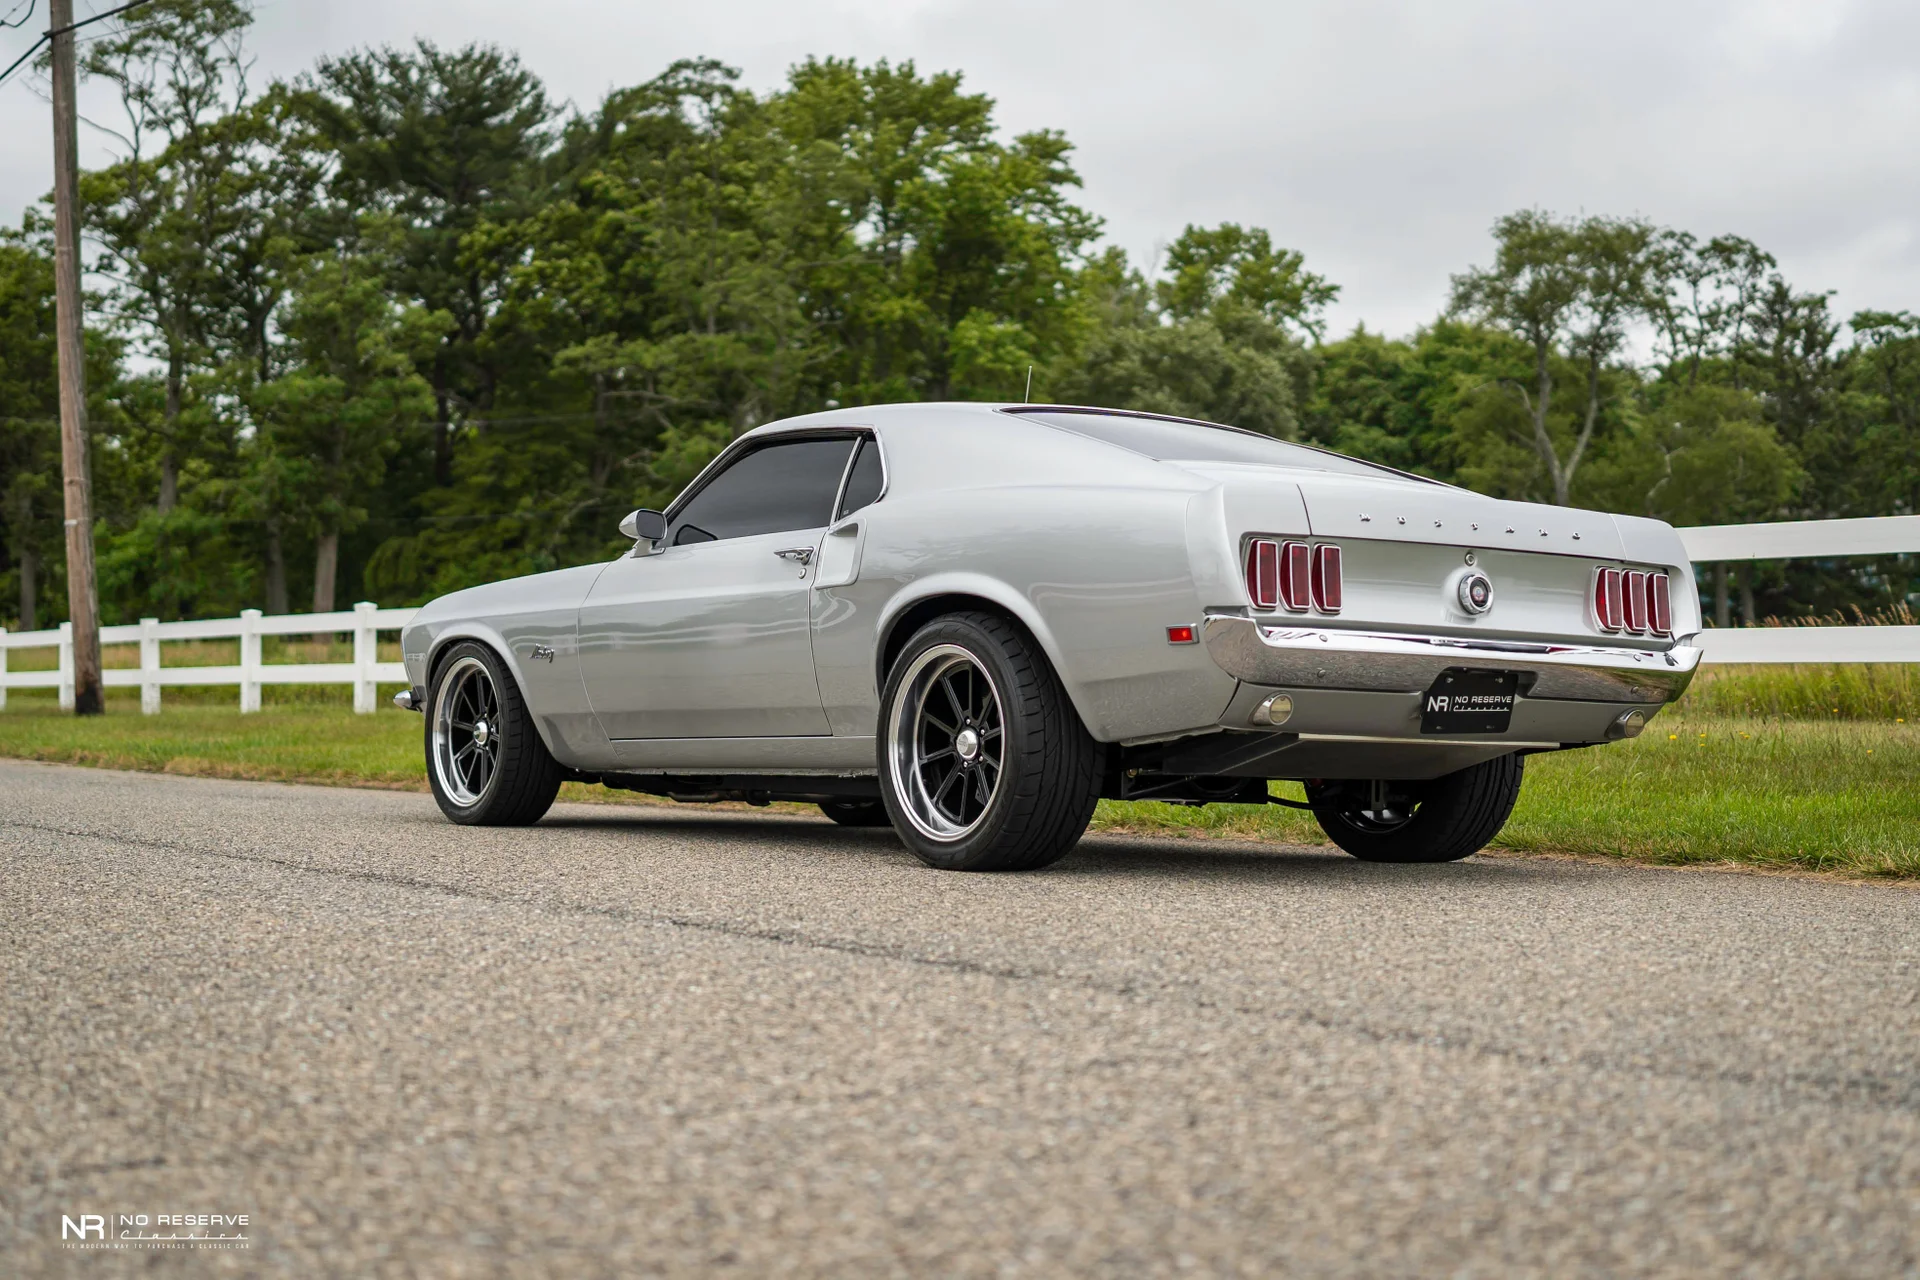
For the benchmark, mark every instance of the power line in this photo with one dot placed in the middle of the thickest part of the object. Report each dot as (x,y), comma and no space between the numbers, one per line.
(60,31)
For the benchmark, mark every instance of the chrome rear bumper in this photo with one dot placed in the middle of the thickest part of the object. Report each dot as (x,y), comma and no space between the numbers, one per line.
(1291,656)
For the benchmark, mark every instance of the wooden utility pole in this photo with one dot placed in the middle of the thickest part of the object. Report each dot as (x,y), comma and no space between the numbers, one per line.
(83,596)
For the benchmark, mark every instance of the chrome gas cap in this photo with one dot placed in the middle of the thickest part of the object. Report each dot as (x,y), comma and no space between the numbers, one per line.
(1476,592)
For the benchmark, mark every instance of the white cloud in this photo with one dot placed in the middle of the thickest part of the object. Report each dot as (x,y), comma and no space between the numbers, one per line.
(1380,138)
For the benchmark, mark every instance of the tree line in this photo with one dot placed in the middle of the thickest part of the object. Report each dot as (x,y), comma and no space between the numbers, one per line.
(403,323)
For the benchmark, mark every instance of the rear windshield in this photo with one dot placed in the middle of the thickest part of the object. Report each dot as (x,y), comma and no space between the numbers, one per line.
(1169,439)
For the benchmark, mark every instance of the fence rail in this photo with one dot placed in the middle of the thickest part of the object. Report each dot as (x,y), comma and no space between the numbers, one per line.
(1705,544)
(365,672)
(1806,540)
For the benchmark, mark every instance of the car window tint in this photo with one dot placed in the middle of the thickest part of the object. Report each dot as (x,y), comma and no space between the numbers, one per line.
(1201,442)
(865,480)
(774,489)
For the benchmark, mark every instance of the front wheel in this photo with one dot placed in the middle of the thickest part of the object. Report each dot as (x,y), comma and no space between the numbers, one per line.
(984,763)
(485,759)
(1442,820)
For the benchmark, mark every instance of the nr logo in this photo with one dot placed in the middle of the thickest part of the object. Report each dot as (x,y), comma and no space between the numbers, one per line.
(92,1226)
(1437,702)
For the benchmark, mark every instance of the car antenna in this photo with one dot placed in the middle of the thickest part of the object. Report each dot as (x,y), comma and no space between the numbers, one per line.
(1027,396)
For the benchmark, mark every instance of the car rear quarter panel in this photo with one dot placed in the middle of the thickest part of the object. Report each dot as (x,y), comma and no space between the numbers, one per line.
(1096,572)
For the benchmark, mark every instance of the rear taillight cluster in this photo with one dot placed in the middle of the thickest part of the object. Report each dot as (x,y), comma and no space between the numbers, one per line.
(1636,601)
(1293,575)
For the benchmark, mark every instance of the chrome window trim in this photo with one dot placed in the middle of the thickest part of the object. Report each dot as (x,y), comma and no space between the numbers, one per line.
(750,444)
(867,436)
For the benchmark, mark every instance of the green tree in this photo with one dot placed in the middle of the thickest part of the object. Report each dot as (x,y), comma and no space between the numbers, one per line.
(1219,336)
(939,260)
(445,140)
(327,422)
(161,214)
(1569,290)
(30,500)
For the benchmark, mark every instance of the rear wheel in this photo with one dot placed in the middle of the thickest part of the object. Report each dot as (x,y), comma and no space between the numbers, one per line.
(1443,820)
(856,813)
(485,759)
(984,764)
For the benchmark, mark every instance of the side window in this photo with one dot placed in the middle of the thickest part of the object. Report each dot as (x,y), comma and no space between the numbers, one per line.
(864,481)
(774,489)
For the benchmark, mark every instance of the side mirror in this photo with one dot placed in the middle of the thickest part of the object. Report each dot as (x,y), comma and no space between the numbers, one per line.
(645,526)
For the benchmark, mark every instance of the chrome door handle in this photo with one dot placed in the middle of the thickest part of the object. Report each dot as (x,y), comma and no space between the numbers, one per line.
(799,555)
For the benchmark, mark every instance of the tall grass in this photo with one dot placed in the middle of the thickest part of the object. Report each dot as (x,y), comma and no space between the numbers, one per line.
(1887,691)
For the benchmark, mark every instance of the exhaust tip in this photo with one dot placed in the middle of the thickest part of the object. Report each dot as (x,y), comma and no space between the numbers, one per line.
(1275,711)
(1628,725)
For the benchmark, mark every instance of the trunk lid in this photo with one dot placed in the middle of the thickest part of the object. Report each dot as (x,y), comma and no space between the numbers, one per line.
(1406,545)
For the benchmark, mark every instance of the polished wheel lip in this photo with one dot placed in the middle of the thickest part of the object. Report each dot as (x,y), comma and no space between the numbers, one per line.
(921,738)
(466,731)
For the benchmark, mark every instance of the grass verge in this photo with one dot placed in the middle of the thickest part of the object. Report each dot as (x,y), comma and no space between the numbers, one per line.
(1694,789)
(1835,795)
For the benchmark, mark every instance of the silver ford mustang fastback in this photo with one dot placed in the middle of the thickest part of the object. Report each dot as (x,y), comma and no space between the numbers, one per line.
(973,621)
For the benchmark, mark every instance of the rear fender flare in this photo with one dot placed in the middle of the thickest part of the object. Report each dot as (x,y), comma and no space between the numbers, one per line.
(996,596)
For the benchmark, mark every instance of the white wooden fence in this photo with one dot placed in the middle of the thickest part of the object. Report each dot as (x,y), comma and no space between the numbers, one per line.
(1806,540)
(364,673)
(1788,540)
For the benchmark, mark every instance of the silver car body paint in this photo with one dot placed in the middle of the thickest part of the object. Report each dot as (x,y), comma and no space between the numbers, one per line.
(721,657)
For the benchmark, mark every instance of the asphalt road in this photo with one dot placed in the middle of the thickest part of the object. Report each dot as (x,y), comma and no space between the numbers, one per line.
(638,1040)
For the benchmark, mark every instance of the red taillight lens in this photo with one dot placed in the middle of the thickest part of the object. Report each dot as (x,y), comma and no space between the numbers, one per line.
(1295,589)
(1288,574)
(1326,578)
(1660,604)
(1263,573)
(1606,599)
(1636,601)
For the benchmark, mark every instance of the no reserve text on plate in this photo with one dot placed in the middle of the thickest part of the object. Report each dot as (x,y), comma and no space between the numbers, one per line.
(1467,700)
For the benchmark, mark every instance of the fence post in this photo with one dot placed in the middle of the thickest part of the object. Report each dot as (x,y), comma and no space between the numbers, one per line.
(3,668)
(150,666)
(249,660)
(66,666)
(365,654)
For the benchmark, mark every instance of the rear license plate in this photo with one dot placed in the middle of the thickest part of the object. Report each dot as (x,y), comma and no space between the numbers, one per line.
(1463,700)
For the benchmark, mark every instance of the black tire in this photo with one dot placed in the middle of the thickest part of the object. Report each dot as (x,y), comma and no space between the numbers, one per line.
(1443,820)
(474,689)
(1037,769)
(857,813)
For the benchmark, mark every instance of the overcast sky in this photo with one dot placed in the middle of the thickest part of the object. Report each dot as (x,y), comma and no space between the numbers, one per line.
(1381,139)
